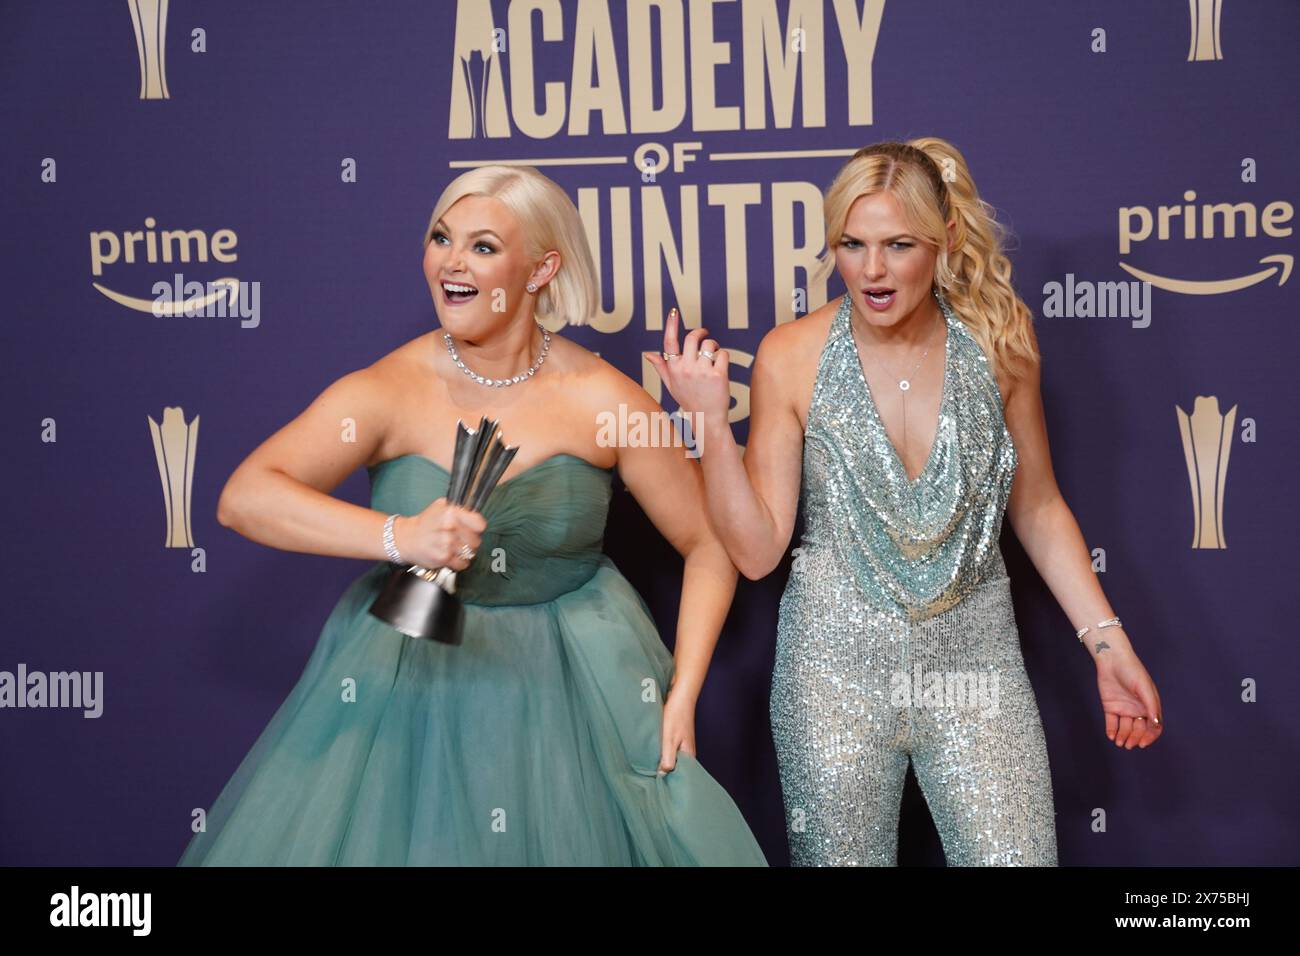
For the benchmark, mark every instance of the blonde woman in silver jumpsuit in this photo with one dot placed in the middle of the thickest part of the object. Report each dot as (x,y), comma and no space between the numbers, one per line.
(906,418)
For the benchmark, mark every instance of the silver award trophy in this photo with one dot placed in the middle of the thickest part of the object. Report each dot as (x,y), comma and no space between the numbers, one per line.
(422,602)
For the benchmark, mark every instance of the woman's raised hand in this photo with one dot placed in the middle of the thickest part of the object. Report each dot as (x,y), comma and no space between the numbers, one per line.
(697,376)
(434,537)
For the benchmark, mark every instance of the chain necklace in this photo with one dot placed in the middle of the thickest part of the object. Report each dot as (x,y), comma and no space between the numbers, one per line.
(903,383)
(497,382)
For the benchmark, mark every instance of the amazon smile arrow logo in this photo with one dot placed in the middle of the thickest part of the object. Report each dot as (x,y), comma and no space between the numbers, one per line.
(1217,286)
(159,306)
(219,298)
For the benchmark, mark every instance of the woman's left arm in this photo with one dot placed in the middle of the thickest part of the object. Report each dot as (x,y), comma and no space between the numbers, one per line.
(1050,535)
(669,487)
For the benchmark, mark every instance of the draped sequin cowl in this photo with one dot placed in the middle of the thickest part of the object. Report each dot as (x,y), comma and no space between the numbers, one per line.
(896,637)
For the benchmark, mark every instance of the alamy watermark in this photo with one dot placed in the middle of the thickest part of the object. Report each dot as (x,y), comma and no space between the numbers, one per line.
(949,690)
(224,298)
(76,689)
(1084,299)
(633,428)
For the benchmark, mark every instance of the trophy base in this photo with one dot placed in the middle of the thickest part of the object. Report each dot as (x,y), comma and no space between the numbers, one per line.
(419,608)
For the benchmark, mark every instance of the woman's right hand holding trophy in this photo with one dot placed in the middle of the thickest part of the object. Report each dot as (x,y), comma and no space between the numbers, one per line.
(443,535)
(420,599)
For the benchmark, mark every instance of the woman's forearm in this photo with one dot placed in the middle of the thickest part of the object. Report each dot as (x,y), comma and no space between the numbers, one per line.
(740,517)
(1051,537)
(708,585)
(274,509)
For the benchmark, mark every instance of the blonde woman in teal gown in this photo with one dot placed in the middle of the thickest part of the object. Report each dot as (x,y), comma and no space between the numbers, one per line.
(561,731)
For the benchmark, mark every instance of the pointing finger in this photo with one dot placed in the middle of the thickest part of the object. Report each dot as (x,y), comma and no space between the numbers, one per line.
(670,332)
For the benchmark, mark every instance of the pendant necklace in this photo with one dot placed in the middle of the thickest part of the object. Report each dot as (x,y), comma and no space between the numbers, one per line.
(904,384)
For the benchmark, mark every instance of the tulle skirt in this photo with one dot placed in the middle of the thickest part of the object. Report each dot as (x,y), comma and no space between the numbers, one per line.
(534,742)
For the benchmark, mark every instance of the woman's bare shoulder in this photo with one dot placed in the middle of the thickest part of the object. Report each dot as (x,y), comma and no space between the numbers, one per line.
(388,381)
(790,350)
(785,366)
(407,362)
(598,381)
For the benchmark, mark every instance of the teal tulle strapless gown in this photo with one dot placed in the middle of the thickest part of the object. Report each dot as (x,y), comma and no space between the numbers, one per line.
(535,742)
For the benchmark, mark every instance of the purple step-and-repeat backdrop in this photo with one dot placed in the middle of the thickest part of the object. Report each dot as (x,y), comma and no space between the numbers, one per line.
(1143,156)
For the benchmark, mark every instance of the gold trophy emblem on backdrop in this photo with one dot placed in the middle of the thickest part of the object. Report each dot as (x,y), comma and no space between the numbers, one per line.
(1207,440)
(1205,30)
(174,444)
(149,17)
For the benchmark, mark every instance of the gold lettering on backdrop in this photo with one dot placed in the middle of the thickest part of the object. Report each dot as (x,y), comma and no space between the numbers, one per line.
(642,66)
(681,255)
(670,242)
(620,287)
(522,56)
(1217,221)
(706,55)
(594,46)
(859,37)
(799,48)
(735,198)
(793,257)
(773,58)
(170,246)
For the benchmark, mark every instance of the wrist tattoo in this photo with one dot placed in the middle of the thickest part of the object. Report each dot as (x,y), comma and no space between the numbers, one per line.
(1101,646)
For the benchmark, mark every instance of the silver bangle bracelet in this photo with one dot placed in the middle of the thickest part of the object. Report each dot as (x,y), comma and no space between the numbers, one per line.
(1110,622)
(390,543)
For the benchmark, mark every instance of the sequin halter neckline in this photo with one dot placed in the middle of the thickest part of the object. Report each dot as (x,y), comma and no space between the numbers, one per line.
(904,386)
(915,545)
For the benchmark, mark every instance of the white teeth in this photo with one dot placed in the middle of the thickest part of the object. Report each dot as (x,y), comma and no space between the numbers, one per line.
(456,287)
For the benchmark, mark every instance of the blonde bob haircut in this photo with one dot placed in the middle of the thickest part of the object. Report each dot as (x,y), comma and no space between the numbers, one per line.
(548,220)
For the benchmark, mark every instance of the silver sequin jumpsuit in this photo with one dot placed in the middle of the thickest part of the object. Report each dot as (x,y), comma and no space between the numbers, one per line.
(896,636)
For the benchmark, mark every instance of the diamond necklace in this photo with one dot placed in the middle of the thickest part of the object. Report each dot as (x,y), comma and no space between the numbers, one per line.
(495,382)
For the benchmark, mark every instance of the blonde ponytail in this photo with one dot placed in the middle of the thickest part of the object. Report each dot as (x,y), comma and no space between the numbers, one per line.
(933,184)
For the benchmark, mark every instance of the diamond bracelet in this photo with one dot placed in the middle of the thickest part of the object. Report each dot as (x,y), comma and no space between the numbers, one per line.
(390,543)
(1110,622)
